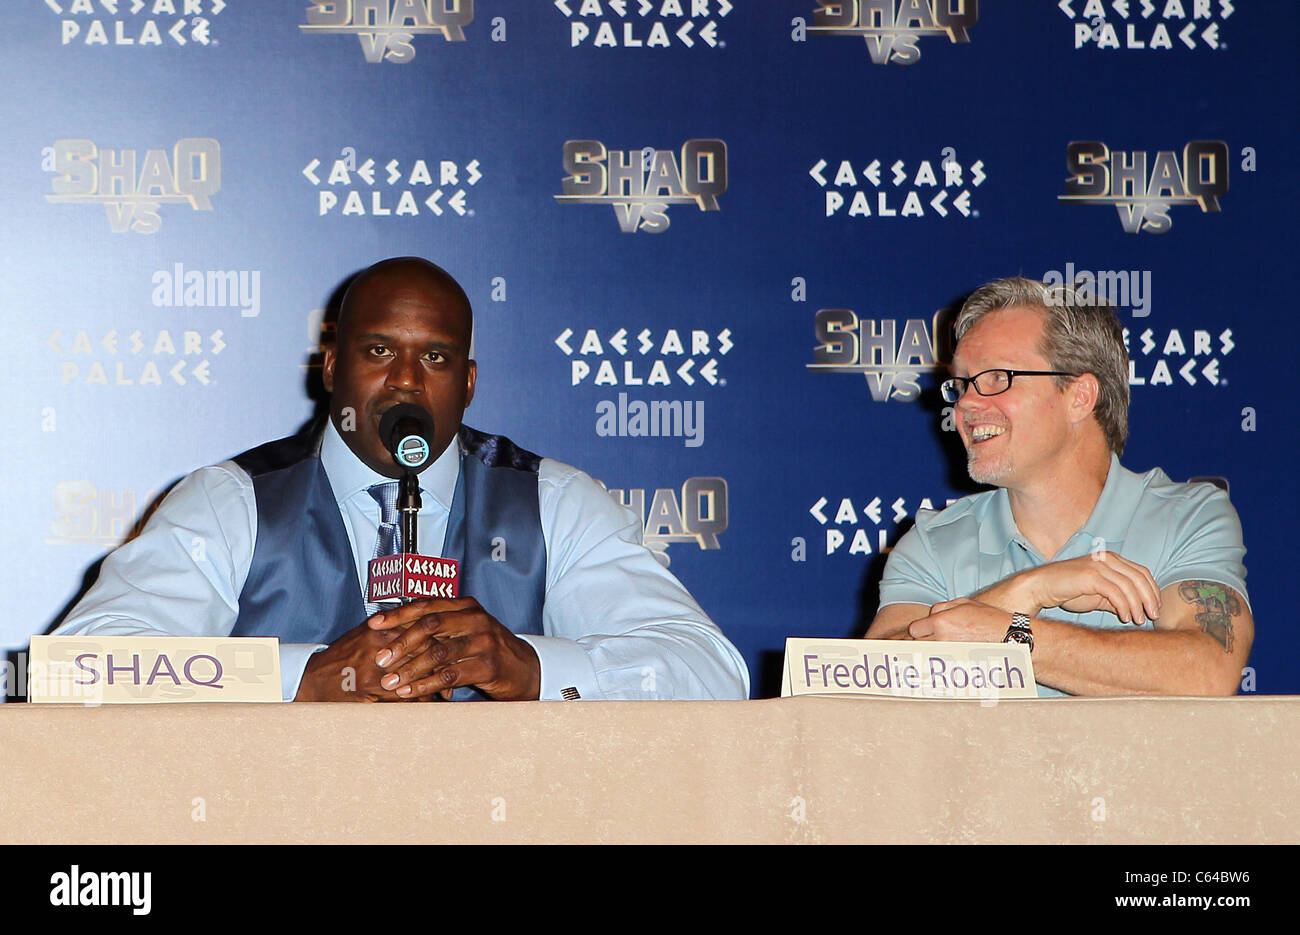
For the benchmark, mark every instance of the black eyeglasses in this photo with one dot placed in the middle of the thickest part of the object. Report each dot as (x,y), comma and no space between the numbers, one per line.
(991,382)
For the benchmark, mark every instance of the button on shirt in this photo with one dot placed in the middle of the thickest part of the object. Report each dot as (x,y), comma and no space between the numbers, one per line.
(617,624)
(1180,532)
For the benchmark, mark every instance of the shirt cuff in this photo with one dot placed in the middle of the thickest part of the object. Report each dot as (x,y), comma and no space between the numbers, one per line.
(293,663)
(567,672)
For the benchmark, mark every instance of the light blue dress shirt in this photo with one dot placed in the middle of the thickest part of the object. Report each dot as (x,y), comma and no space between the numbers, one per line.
(617,624)
(1179,532)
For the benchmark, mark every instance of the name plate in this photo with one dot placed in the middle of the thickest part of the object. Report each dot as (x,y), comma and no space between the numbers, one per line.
(94,670)
(907,669)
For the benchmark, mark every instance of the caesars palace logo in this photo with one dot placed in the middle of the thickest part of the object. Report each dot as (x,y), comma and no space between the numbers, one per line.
(649,24)
(132,187)
(119,354)
(1147,24)
(391,187)
(1143,189)
(892,28)
(903,189)
(136,22)
(698,515)
(852,525)
(640,185)
(639,359)
(891,359)
(387,29)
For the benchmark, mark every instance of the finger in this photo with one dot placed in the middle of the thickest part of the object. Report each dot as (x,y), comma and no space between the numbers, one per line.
(407,613)
(921,629)
(409,644)
(1145,582)
(438,654)
(1145,595)
(1123,594)
(473,670)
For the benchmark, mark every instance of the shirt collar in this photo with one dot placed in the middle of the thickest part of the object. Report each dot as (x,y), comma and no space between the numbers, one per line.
(1117,504)
(1109,520)
(348,475)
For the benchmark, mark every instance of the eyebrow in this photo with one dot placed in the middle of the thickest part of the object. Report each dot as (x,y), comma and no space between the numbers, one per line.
(381,338)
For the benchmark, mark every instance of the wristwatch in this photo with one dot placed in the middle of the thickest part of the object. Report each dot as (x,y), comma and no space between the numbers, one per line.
(1019,631)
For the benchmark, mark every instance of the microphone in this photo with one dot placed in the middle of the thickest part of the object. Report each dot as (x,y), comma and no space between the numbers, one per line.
(407,432)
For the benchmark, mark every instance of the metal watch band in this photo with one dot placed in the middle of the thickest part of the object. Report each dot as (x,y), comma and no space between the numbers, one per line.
(1020,631)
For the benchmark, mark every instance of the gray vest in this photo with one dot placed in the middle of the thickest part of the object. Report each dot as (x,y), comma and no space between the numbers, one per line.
(302,584)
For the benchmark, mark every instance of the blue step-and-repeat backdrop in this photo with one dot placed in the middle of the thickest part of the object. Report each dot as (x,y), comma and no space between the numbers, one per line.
(754,211)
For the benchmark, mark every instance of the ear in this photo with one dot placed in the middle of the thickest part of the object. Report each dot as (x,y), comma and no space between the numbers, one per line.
(471,378)
(327,369)
(1083,395)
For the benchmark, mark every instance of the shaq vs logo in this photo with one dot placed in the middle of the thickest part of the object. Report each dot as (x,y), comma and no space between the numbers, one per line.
(136,22)
(700,516)
(131,187)
(85,514)
(1147,24)
(641,184)
(387,28)
(1143,190)
(650,24)
(891,361)
(901,189)
(892,28)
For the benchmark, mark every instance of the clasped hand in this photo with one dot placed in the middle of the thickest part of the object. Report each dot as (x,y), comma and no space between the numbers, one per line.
(423,649)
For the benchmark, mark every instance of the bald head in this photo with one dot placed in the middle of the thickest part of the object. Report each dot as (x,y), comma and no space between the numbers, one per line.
(406,273)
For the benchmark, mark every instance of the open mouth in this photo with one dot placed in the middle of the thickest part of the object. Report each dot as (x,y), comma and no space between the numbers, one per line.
(982,433)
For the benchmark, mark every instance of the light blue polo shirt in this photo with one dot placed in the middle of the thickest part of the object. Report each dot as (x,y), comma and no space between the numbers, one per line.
(1180,532)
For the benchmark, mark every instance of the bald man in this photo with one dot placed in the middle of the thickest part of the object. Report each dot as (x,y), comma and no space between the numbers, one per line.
(559,598)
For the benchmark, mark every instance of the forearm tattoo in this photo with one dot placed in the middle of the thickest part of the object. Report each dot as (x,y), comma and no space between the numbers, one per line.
(1216,606)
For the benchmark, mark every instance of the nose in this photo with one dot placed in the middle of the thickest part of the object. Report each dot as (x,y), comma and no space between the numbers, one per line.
(403,373)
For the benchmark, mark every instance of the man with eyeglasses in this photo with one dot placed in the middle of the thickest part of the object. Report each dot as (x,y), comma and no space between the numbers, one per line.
(1119,583)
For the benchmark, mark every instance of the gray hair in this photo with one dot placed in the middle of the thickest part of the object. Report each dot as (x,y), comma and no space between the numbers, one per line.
(1080,335)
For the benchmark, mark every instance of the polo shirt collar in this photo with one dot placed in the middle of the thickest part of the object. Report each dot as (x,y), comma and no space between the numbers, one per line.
(1117,505)
(1109,520)
(348,475)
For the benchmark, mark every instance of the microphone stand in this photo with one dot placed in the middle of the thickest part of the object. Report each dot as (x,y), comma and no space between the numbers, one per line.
(408,504)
